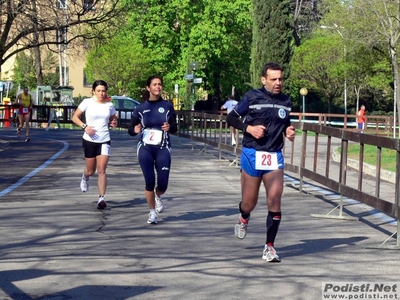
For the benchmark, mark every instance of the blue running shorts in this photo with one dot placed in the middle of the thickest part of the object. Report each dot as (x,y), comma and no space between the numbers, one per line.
(257,163)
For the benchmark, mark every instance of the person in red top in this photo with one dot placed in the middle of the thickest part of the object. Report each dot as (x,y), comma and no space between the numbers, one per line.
(361,119)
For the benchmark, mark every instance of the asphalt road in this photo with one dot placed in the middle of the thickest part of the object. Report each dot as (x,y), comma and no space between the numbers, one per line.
(55,244)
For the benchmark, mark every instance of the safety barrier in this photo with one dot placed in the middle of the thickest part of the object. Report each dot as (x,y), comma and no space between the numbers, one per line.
(313,164)
(43,116)
(305,158)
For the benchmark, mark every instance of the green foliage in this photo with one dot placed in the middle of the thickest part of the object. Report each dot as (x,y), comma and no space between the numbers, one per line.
(26,25)
(388,159)
(214,33)
(24,69)
(221,42)
(123,63)
(79,99)
(381,77)
(374,25)
(272,36)
(318,65)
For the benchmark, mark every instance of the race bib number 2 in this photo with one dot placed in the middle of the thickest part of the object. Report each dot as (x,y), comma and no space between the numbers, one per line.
(152,136)
(266,160)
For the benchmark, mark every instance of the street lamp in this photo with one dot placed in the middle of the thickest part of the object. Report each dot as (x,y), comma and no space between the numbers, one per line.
(336,27)
(304,92)
(195,66)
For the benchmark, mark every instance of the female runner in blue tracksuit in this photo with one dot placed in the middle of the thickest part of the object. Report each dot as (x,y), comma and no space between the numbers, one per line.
(154,120)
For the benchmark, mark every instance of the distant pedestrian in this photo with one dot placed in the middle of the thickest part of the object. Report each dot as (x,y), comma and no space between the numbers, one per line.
(264,116)
(229,105)
(24,100)
(361,119)
(154,120)
(100,113)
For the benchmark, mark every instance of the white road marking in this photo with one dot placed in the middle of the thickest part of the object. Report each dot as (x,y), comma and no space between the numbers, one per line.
(35,171)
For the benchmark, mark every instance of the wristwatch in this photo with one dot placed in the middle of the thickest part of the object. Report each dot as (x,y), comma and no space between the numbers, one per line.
(84,126)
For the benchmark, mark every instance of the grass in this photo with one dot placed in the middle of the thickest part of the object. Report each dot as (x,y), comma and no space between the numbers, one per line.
(388,158)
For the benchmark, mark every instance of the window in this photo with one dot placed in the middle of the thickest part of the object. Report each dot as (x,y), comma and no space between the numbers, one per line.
(62,35)
(85,80)
(64,74)
(88,5)
(116,103)
(62,4)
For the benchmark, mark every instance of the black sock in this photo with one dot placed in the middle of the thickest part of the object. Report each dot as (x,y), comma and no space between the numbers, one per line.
(273,221)
(245,216)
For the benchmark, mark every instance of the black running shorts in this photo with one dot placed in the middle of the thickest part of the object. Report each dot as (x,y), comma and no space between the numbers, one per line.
(91,149)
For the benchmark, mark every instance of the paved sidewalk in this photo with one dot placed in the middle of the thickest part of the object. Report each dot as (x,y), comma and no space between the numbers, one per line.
(3,144)
(56,245)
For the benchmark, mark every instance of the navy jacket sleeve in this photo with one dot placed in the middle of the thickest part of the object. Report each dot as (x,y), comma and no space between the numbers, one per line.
(131,128)
(234,118)
(172,123)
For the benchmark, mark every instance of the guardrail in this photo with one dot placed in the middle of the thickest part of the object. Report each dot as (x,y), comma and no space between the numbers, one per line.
(41,114)
(379,125)
(212,129)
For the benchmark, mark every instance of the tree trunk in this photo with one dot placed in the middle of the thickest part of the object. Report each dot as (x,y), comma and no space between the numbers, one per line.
(38,59)
(357,90)
(216,99)
(395,67)
(38,66)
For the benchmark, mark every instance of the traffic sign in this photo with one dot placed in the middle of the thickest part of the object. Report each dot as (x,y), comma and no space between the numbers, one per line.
(198,80)
(189,76)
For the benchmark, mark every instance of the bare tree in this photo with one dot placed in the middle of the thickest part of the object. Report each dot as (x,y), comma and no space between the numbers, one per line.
(38,60)
(27,24)
(375,23)
(305,12)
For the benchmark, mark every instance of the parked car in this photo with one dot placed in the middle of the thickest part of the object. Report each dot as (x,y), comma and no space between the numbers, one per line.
(125,106)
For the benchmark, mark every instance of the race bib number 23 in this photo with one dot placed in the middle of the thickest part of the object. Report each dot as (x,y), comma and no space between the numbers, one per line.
(266,160)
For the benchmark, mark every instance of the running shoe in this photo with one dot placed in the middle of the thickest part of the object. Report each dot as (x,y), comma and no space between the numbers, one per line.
(159,203)
(241,227)
(27,139)
(18,131)
(152,217)
(101,204)
(269,254)
(84,185)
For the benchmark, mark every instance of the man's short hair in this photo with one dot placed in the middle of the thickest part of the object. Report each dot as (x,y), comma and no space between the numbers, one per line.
(270,66)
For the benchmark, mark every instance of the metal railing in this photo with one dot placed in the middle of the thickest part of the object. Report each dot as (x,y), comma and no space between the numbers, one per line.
(311,157)
(41,114)
(303,157)
(379,125)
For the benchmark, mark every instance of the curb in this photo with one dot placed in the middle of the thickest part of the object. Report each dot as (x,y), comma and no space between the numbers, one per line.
(367,168)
